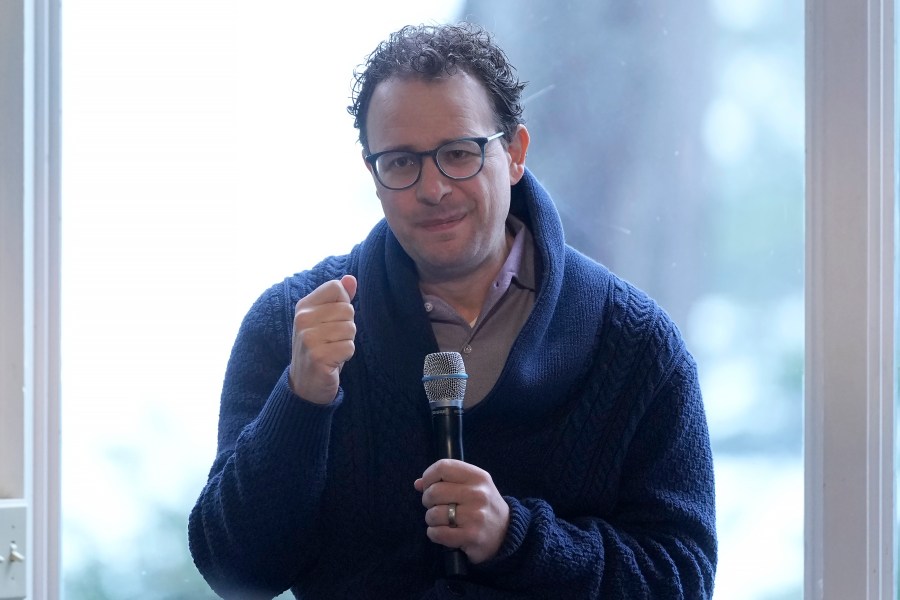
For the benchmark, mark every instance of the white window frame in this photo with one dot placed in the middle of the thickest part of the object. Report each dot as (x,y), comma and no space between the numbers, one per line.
(850,255)
(29,279)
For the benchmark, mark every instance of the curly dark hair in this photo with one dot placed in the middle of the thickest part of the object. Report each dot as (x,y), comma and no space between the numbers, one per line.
(433,51)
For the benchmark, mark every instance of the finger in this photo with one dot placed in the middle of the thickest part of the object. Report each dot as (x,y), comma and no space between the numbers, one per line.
(350,284)
(443,515)
(328,343)
(330,291)
(439,493)
(439,515)
(445,469)
(451,515)
(326,322)
(450,537)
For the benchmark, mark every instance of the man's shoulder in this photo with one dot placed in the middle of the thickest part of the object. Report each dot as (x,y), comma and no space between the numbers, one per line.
(296,286)
(622,304)
(302,283)
(293,287)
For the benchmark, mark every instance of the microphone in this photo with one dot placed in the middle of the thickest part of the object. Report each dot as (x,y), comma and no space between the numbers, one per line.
(444,377)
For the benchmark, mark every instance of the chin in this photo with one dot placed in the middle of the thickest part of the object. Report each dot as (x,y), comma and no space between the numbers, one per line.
(445,264)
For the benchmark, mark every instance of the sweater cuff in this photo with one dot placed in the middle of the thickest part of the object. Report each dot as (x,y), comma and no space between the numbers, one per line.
(508,557)
(289,420)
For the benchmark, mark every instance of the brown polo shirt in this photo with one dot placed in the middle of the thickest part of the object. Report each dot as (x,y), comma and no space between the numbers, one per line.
(485,344)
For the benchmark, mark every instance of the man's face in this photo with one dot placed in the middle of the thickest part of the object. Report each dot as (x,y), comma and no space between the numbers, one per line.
(452,229)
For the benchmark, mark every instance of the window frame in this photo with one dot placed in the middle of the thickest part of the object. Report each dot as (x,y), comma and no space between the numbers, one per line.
(30,279)
(850,258)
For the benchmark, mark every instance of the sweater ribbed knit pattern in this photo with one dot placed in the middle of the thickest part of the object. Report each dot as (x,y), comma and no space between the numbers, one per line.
(595,434)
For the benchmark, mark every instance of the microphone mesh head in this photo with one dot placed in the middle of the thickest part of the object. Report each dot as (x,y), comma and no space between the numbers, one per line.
(445,378)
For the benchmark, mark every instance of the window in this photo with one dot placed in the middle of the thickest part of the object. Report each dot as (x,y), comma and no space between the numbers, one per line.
(191,146)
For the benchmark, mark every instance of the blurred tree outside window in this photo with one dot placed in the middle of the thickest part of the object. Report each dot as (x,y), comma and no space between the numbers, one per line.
(671,138)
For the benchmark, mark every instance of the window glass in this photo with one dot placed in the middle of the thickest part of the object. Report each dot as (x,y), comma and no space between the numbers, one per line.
(208,153)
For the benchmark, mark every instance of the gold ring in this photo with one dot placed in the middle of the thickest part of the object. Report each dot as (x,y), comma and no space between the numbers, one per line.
(451,514)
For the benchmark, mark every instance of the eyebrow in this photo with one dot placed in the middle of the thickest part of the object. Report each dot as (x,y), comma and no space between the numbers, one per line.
(410,148)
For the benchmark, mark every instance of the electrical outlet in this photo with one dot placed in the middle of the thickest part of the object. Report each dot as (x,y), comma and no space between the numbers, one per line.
(13,549)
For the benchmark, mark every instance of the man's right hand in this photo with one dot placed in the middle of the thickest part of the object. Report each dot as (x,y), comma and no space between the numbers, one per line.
(323,340)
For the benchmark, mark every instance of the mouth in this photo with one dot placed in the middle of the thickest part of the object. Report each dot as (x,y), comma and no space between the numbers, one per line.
(441,223)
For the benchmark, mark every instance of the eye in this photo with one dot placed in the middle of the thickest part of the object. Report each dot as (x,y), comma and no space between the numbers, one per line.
(458,154)
(401,161)
(396,161)
(462,151)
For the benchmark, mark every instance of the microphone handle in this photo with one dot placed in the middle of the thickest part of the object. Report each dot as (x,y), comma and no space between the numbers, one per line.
(447,424)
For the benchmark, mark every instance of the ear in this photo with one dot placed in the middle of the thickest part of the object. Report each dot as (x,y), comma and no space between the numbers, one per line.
(517,149)
(372,173)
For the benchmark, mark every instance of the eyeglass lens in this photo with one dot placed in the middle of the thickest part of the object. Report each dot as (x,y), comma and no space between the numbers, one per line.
(458,160)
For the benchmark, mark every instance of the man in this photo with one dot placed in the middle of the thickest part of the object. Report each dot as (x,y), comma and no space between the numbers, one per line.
(588,472)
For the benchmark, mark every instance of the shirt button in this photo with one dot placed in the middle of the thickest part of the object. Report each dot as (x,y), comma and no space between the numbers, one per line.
(467,349)
(429,307)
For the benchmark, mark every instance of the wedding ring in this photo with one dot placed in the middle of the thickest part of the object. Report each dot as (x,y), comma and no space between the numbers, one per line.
(451,514)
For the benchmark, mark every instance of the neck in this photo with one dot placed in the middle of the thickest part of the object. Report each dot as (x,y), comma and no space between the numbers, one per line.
(466,293)
(465,297)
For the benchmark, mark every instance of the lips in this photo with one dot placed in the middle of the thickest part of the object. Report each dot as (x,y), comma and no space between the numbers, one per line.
(441,223)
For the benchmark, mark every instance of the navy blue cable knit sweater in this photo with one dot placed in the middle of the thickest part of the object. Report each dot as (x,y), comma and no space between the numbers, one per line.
(595,435)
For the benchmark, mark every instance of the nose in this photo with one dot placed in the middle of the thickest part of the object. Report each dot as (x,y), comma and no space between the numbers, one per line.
(432,185)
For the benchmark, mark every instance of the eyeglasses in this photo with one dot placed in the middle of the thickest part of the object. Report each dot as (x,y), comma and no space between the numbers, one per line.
(459,159)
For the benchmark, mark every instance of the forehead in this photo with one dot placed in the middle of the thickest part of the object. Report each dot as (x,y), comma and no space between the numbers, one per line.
(422,113)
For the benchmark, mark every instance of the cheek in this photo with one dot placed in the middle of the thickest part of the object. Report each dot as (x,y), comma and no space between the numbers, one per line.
(499,203)
(388,214)
(383,197)
(392,207)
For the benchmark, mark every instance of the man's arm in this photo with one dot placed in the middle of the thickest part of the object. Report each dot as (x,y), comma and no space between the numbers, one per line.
(658,541)
(252,530)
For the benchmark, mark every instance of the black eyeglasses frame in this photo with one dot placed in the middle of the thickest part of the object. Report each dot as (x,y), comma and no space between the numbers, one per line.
(372,159)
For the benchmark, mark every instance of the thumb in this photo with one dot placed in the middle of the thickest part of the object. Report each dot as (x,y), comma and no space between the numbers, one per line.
(350,284)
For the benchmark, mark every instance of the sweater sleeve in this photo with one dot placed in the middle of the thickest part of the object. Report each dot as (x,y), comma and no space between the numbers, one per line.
(251,532)
(659,540)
